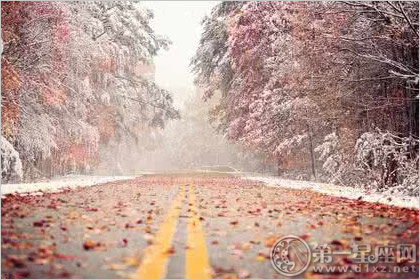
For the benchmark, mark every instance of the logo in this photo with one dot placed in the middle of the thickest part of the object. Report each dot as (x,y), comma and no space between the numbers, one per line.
(290,255)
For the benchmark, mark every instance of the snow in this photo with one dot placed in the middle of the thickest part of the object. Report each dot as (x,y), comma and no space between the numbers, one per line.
(340,191)
(11,165)
(57,184)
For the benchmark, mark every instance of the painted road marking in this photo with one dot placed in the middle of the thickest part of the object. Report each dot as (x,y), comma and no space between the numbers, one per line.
(156,256)
(197,263)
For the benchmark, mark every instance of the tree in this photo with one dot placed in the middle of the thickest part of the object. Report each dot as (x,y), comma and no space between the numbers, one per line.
(71,82)
(301,71)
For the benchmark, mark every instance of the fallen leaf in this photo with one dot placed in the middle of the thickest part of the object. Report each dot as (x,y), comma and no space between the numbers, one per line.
(305,236)
(90,245)
(39,223)
(245,246)
(269,241)
(260,258)
(64,257)
(170,251)
(16,261)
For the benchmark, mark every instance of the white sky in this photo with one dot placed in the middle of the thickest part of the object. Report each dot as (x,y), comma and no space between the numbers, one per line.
(180,22)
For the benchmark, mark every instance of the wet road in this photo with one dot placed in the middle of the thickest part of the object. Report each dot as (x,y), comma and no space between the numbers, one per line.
(195,226)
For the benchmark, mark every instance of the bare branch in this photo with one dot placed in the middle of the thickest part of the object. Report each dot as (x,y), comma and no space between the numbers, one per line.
(408,20)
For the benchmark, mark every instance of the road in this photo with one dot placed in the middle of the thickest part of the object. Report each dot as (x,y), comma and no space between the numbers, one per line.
(197,225)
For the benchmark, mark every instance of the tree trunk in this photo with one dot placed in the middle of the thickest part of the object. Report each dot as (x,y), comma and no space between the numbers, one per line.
(311,151)
(279,169)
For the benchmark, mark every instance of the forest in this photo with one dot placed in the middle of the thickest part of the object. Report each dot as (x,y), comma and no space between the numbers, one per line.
(77,78)
(209,139)
(327,90)
(324,91)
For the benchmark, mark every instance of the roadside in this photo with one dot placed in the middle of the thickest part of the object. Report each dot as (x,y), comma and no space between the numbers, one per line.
(60,183)
(73,181)
(393,199)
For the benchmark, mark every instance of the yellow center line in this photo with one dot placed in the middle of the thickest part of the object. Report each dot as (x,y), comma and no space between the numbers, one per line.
(155,259)
(197,264)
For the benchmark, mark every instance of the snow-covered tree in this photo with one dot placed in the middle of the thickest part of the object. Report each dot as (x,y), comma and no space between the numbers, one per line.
(11,165)
(388,159)
(306,74)
(72,83)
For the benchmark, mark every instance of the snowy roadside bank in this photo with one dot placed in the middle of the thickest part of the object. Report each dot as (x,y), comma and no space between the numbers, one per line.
(54,185)
(340,191)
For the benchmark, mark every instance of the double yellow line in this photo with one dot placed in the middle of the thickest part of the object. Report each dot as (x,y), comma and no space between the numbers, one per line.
(156,256)
(197,264)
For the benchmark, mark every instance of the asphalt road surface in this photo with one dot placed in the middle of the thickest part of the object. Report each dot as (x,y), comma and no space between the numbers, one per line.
(196,226)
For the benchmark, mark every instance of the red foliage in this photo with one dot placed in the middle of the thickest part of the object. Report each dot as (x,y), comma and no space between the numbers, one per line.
(10,19)
(76,153)
(107,64)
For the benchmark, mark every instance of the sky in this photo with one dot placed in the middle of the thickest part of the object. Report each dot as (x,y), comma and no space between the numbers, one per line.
(180,22)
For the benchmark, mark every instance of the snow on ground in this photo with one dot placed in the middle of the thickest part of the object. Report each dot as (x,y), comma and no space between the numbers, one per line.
(56,184)
(340,191)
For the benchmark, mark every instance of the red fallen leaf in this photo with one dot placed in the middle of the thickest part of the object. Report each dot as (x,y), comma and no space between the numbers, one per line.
(15,261)
(92,209)
(346,260)
(63,228)
(171,251)
(39,223)
(214,242)
(64,257)
(234,223)
(336,242)
(402,261)
(128,225)
(139,221)
(65,274)
(124,242)
(45,251)
(52,205)
(20,274)
(320,223)
(305,236)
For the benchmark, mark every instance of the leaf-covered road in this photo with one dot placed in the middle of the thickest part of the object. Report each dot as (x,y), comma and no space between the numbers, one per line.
(191,226)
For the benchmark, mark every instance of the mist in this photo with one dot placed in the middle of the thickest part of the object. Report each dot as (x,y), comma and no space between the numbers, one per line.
(190,143)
